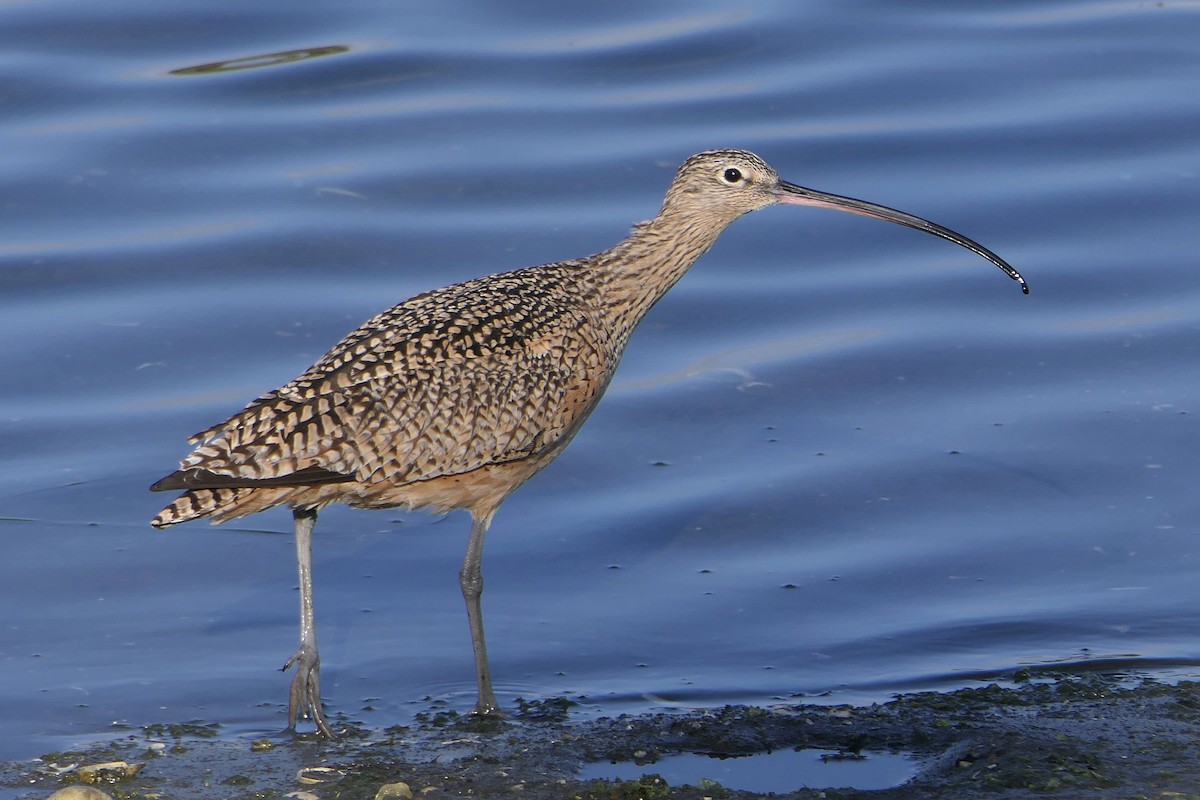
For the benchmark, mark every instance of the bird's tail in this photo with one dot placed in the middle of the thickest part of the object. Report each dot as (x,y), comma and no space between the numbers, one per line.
(196,504)
(226,503)
(220,504)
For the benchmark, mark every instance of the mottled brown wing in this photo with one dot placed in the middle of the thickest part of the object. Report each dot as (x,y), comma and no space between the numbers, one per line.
(488,371)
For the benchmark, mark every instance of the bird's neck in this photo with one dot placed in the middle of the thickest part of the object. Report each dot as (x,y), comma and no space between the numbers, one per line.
(637,272)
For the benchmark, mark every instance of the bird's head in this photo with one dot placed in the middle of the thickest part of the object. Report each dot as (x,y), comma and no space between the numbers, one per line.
(724,184)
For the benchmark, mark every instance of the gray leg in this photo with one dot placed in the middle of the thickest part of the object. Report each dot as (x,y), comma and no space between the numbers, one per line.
(305,697)
(471,578)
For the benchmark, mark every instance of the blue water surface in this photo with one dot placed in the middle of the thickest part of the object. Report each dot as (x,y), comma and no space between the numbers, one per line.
(840,460)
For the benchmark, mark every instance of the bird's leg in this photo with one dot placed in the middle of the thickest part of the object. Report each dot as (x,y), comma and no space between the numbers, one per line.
(305,697)
(471,578)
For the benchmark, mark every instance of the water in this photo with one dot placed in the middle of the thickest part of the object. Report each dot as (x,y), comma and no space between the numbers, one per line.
(781,771)
(885,469)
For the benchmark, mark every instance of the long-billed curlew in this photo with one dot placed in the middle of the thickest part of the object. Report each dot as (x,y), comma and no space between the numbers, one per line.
(456,397)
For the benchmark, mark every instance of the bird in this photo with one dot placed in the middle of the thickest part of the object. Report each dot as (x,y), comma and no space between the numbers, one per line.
(456,397)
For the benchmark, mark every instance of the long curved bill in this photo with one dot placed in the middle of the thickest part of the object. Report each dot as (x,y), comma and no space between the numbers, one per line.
(793,195)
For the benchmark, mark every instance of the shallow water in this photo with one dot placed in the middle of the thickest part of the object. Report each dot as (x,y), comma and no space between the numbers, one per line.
(782,771)
(839,457)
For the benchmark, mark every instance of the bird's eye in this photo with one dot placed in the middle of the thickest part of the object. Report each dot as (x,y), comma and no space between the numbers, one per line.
(732,175)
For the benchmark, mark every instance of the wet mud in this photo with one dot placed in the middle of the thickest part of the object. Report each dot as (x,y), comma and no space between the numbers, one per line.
(1086,736)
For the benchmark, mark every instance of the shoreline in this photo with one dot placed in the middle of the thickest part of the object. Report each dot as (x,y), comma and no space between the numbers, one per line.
(1086,736)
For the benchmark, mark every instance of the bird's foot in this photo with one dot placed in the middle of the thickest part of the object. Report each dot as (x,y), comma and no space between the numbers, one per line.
(304,698)
(487,710)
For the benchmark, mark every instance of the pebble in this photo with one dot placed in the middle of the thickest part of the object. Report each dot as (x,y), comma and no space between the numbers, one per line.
(394,791)
(80,793)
